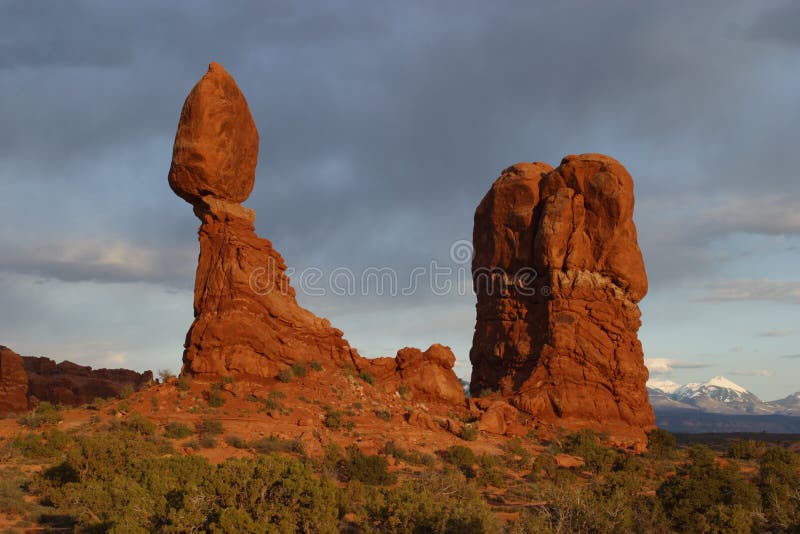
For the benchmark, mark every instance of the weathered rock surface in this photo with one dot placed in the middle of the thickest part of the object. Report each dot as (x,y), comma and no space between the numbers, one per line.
(427,375)
(13,382)
(558,273)
(247,320)
(71,384)
(216,147)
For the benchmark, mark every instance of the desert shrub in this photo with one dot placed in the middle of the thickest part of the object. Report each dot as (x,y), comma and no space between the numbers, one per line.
(44,414)
(299,370)
(461,457)
(209,427)
(165,374)
(746,449)
(138,423)
(437,502)
(182,384)
(367,377)
(214,396)
(177,430)
(368,469)
(408,455)
(468,433)
(779,484)
(207,441)
(334,419)
(516,455)
(703,497)
(285,375)
(273,443)
(404,392)
(544,465)
(236,442)
(315,365)
(148,493)
(126,391)
(661,443)
(586,444)
(385,415)
(31,446)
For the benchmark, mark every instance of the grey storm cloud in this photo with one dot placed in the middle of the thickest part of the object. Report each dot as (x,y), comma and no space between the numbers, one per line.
(383,124)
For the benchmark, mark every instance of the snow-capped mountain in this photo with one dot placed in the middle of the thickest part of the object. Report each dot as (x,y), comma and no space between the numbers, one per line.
(789,405)
(665,386)
(718,395)
(720,405)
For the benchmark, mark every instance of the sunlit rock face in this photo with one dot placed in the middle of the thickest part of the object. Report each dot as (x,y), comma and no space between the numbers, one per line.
(247,320)
(558,273)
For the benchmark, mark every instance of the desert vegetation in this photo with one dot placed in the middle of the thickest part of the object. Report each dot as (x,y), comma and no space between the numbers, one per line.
(131,476)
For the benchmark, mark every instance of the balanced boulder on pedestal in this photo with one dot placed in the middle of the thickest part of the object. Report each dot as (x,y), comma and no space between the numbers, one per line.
(247,320)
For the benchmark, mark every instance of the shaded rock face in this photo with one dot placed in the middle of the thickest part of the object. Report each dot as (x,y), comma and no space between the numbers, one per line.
(13,382)
(247,320)
(71,384)
(26,380)
(558,274)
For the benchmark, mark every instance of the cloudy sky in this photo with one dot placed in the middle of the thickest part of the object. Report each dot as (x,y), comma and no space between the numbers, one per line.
(382,125)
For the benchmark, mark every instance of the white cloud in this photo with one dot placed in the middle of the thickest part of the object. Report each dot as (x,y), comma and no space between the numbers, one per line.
(667,365)
(776,333)
(753,372)
(784,291)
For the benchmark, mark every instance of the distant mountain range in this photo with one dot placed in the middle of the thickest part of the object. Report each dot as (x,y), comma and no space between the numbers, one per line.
(720,405)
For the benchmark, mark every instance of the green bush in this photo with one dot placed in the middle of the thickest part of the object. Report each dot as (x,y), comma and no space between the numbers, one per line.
(285,375)
(468,433)
(371,470)
(463,458)
(385,415)
(586,444)
(334,419)
(182,384)
(165,374)
(408,456)
(367,377)
(437,502)
(299,370)
(661,443)
(177,430)
(138,423)
(273,443)
(315,365)
(779,484)
(746,449)
(209,427)
(44,414)
(214,396)
(703,497)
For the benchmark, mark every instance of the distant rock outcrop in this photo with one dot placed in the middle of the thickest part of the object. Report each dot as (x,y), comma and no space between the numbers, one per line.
(26,380)
(558,274)
(13,382)
(71,384)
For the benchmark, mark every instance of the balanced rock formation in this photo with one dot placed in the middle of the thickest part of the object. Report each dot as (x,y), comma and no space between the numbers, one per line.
(247,320)
(13,382)
(558,274)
